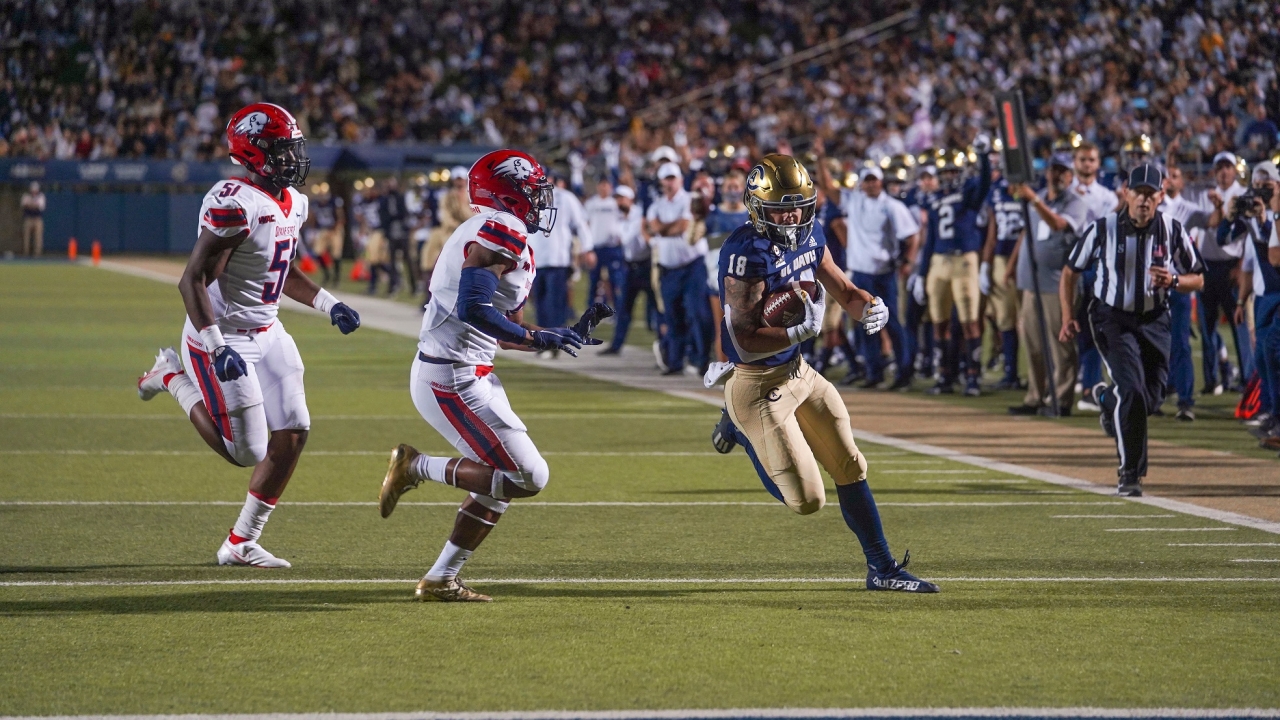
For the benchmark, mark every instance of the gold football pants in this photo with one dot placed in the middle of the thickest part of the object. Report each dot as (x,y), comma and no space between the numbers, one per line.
(795,419)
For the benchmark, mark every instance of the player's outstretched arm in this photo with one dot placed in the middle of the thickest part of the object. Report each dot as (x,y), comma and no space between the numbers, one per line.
(745,299)
(297,286)
(480,274)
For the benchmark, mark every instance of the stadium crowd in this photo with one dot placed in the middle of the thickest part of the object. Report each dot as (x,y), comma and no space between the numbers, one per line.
(94,79)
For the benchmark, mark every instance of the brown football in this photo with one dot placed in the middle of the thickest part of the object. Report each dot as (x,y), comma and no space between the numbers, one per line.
(785,308)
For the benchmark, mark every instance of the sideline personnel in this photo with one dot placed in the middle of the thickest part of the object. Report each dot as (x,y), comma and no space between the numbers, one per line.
(1140,256)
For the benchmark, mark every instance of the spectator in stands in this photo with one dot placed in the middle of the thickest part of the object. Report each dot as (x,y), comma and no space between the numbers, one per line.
(33,206)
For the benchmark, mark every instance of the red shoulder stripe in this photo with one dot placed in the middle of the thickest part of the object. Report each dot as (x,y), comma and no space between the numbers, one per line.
(502,236)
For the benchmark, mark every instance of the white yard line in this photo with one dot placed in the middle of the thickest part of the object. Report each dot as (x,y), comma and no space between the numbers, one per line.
(623,581)
(732,714)
(531,503)
(888,472)
(405,321)
(638,415)
(1108,517)
(1199,529)
(1257,560)
(972,481)
(1224,544)
(357,453)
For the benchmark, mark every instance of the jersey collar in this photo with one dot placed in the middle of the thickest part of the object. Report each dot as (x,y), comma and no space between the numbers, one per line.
(286,205)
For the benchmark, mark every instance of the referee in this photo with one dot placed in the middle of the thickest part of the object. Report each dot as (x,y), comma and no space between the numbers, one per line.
(1140,257)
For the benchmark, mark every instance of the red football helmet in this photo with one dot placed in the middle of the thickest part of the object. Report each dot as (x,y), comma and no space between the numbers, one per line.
(512,181)
(265,139)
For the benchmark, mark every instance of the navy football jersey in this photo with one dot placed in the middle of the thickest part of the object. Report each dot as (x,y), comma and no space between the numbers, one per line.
(748,255)
(953,216)
(1007,212)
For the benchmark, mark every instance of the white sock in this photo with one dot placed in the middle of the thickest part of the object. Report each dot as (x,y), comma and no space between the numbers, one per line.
(450,562)
(253,516)
(184,391)
(435,469)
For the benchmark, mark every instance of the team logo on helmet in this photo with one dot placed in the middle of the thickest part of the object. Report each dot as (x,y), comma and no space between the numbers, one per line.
(516,168)
(252,124)
(755,177)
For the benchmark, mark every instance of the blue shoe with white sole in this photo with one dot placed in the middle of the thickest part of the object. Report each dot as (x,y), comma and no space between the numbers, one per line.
(897,578)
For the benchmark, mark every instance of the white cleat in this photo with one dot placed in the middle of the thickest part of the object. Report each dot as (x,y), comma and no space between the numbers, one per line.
(248,553)
(152,383)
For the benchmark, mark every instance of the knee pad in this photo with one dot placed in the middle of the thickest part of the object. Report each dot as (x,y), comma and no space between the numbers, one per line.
(808,506)
(248,445)
(532,477)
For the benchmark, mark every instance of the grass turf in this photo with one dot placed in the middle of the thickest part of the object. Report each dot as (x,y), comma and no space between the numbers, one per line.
(72,430)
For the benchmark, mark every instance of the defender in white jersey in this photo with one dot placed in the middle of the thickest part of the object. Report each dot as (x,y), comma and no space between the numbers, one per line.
(478,291)
(247,400)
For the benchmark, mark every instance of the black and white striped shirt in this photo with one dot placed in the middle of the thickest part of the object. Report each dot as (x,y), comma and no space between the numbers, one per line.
(1123,255)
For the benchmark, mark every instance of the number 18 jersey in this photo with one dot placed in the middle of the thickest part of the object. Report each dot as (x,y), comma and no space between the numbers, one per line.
(247,293)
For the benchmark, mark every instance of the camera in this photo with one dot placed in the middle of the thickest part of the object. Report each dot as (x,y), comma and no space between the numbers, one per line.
(1244,202)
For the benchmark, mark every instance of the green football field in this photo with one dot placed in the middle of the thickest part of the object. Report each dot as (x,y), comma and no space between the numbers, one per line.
(651,574)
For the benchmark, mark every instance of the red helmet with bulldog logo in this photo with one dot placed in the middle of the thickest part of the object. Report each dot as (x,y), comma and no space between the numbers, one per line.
(265,139)
(512,181)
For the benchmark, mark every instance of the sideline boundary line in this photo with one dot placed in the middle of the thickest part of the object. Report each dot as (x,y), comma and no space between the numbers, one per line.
(537,503)
(621,581)
(381,316)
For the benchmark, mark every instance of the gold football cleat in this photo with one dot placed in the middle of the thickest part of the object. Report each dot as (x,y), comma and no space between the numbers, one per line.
(399,480)
(451,590)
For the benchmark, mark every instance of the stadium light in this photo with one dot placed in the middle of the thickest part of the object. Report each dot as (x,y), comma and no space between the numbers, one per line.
(444,175)
(713,153)
(728,150)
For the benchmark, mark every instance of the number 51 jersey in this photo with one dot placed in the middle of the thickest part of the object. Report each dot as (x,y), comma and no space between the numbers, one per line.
(247,293)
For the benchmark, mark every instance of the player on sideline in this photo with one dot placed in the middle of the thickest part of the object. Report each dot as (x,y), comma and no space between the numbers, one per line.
(247,401)
(478,291)
(792,417)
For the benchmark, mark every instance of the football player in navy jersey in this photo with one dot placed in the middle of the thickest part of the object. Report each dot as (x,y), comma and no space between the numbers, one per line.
(995,275)
(792,418)
(919,334)
(952,281)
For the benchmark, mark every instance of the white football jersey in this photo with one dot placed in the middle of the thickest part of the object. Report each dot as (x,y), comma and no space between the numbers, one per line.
(247,293)
(446,336)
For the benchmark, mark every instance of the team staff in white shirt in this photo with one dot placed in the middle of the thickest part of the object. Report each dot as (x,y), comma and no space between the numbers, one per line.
(1194,217)
(877,227)
(636,279)
(682,274)
(604,255)
(1219,294)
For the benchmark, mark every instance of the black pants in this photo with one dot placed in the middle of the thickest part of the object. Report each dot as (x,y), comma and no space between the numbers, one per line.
(1136,350)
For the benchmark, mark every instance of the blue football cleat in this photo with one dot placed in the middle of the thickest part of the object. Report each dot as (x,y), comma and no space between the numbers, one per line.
(897,578)
(722,437)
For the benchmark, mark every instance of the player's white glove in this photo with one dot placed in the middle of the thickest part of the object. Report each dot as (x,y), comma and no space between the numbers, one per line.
(812,324)
(984,278)
(875,316)
(982,144)
(915,285)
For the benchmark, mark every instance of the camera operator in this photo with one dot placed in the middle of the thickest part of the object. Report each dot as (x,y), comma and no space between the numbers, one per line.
(1219,295)
(1253,224)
